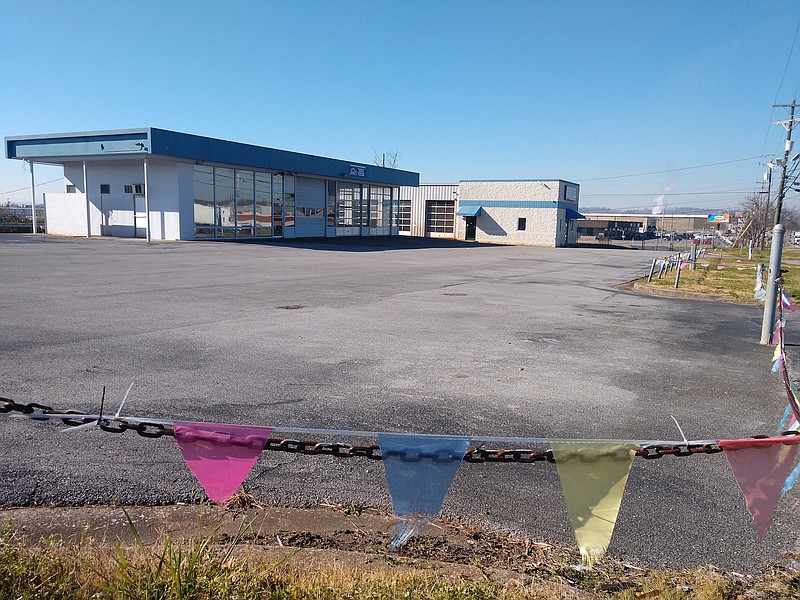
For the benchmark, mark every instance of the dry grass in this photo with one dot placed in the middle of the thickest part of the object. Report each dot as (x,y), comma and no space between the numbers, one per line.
(202,569)
(732,276)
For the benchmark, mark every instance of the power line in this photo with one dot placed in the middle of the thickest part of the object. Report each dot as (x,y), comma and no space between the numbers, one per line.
(788,60)
(28,187)
(727,162)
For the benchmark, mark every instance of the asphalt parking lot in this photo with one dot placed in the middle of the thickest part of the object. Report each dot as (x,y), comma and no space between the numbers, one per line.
(402,335)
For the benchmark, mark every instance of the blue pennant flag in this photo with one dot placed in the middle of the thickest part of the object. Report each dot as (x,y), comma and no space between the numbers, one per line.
(419,471)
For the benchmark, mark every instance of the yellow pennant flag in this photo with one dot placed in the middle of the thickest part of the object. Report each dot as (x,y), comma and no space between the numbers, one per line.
(593,476)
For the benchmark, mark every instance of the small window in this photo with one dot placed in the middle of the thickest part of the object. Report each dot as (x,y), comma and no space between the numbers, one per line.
(71,189)
(105,188)
(128,189)
(522,223)
(138,188)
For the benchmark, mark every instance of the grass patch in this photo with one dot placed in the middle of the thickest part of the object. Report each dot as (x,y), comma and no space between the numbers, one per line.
(202,568)
(732,275)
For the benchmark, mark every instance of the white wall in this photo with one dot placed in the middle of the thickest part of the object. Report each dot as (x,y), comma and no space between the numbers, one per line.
(186,201)
(499,226)
(509,190)
(113,213)
(65,214)
(163,196)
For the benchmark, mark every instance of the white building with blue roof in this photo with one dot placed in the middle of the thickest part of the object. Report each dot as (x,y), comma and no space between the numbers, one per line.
(165,185)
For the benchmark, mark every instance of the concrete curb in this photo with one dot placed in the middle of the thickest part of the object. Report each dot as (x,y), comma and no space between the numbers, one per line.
(647,290)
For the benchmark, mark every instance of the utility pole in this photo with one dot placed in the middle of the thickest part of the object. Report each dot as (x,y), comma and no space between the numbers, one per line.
(766,208)
(776,250)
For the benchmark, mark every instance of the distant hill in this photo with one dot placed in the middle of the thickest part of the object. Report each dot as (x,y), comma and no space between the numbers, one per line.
(671,210)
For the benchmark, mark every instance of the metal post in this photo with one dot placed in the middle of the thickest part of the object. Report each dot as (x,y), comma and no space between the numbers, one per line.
(775,255)
(147,203)
(677,274)
(33,197)
(652,268)
(750,250)
(86,197)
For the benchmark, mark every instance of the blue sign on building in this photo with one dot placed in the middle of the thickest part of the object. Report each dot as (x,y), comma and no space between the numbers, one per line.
(358,171)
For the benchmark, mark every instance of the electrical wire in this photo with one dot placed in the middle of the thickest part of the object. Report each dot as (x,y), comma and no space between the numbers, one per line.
(28,187)
(788,60)
(727,162)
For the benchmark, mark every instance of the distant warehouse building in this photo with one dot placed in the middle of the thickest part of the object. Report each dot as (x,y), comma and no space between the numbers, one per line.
(634,226)
(164,185)
(526,212)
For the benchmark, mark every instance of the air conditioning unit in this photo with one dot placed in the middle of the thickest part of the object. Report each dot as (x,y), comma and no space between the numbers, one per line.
(137,189)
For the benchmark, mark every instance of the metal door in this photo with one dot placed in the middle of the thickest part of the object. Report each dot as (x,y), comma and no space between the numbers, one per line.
(139,217)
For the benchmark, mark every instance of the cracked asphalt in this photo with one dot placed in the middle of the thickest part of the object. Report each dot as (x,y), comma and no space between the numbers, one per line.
(403,335)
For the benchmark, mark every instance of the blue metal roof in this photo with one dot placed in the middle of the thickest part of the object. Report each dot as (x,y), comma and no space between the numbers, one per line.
(469,211)
(134,143)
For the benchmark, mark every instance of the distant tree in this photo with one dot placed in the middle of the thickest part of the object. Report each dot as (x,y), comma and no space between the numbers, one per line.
(390,159)
(759,219)
(761,216)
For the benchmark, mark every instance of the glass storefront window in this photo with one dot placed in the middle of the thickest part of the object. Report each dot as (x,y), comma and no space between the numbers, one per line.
(203,199)
(263,197)
(348,213)
(277,204)
(380,206)
(225,216)
(288,211)
(395,206)
(245,211)
(331,204)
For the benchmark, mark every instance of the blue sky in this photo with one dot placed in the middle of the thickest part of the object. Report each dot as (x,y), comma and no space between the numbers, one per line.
(584,91)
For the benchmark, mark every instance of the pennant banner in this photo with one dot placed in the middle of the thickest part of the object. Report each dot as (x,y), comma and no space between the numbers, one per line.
(786,300)
(220,455)
(761,467)
(419,471)
(593,476)
(760,292)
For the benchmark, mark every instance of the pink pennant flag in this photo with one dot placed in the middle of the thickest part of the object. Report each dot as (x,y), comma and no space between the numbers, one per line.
(786,301)
(760,467)
(220,455)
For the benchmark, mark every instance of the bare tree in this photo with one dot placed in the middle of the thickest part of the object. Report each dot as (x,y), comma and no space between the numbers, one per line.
(757,208)
(761,216)
(390,159)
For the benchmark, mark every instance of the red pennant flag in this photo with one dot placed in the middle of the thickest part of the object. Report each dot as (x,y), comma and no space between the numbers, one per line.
(760,467)
(220,455)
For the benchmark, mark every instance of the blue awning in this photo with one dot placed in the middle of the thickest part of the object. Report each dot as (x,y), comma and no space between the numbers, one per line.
(573,215)
(469,211)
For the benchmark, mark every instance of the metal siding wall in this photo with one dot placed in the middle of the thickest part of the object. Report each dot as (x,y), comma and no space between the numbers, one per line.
(310,193)
(419,195)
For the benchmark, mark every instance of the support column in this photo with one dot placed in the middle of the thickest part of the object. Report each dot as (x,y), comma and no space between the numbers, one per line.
(146,203)
(88,206)
(33,197)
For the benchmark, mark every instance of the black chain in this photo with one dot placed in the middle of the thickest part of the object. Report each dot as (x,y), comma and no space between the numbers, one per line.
(8,405)
(373,452)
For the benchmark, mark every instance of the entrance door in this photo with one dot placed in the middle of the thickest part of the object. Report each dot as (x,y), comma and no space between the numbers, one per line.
(139,217)
(471,226)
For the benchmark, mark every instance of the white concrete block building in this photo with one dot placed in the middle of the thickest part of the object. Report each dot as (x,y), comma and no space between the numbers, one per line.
(525,212)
